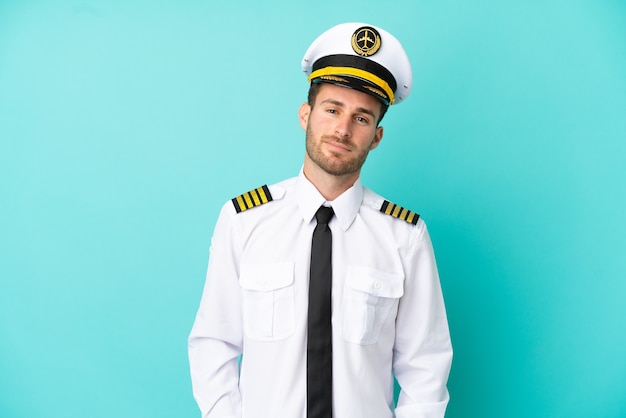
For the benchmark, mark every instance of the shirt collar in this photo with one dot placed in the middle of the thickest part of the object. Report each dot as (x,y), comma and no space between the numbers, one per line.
(346,206)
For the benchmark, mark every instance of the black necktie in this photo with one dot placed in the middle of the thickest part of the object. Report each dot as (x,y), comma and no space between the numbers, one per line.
(319,347)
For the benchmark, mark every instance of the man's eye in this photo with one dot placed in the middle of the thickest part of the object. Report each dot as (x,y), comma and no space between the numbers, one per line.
(331,111)
(361,119)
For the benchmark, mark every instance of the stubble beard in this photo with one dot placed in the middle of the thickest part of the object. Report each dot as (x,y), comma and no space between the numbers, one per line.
(334,166)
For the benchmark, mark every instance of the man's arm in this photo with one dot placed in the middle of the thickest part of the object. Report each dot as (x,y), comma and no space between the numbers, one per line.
(215,342)
(422,350)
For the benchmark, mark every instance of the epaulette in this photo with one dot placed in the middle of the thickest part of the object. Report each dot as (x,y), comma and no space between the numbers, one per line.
(399,212)
(251,199)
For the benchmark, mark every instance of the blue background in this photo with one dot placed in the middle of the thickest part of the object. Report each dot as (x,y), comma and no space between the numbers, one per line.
(124,126)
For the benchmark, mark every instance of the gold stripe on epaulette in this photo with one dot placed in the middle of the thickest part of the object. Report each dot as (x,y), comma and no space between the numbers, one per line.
(399,212)
(251,199)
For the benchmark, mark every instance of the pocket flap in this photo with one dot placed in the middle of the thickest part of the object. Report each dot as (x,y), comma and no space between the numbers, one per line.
(376,282)
(266,277)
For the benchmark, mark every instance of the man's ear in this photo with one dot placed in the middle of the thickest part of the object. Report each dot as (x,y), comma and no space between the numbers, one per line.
(378,136)
(303,115)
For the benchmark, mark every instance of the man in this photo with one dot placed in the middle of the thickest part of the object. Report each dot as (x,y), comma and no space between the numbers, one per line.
(325,306)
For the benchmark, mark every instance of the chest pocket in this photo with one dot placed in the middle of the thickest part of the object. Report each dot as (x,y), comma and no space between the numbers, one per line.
(268,300)
(369,297)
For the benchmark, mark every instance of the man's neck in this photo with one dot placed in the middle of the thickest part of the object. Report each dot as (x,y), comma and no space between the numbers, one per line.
(329,186)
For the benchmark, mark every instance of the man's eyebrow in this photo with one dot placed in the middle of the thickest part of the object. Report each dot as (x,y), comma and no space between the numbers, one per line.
(366,111)
(333,101)
(341,104)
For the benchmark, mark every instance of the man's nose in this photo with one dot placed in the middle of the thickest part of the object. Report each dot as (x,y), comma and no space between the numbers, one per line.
(344,126)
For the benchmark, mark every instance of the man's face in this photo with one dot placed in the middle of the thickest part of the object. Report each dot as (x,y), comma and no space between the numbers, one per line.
(341,129)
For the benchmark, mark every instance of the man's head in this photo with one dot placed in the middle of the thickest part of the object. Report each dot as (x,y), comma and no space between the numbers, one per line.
(356,72)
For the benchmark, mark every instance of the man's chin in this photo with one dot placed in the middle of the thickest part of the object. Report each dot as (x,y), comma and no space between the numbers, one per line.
(338,170)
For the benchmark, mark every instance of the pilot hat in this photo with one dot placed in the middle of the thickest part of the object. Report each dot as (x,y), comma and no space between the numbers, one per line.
(363,57)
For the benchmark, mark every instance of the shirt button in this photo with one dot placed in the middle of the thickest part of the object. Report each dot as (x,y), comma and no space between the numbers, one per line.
(377,285)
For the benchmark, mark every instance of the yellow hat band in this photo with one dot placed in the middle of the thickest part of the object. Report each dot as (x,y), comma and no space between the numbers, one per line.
(350,71)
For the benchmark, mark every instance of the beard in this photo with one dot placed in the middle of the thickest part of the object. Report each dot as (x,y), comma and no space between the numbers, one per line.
(333,166)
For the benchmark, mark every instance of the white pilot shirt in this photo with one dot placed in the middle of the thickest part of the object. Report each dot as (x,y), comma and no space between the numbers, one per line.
(388,313)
